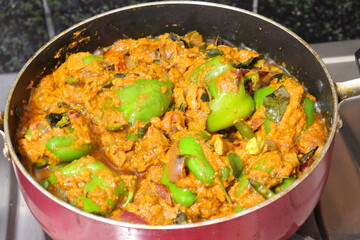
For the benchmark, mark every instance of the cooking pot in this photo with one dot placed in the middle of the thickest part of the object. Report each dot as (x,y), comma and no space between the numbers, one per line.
(276,218)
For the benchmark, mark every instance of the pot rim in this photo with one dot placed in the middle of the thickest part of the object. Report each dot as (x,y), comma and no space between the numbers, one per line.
(17,163)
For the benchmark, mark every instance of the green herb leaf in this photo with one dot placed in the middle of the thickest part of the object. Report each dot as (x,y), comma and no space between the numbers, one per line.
(236,164)
(181,218)
(107,84)
(276,104)
(143,130)
(213,52)
(309,155)
(57,119)
(119,75)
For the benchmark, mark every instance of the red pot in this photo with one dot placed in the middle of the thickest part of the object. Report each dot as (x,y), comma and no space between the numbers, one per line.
(276,218)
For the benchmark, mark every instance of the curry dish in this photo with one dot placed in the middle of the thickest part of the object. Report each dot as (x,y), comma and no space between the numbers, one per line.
(169,130)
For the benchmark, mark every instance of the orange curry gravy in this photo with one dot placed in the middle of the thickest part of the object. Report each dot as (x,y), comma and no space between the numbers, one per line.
(134,153)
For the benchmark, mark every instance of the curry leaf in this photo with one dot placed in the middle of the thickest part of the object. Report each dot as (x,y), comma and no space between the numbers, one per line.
(276,104)
(213,52)
(57,119)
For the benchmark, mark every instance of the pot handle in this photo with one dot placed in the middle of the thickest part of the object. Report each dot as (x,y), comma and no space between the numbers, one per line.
(351,88)
(348,89)
(2,121)
(6,148)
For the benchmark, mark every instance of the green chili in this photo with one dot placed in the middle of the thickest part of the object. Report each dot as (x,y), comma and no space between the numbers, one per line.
(244,130)
(195,159)
(309,108)
(261,189)
(182,196)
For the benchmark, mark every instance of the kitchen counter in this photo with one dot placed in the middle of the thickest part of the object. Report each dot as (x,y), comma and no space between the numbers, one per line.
(337,215)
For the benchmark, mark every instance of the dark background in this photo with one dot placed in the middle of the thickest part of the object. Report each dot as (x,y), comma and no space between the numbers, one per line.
(25,26)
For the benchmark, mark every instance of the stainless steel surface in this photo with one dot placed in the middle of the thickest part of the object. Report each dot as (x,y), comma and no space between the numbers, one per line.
(16,221)
(338,213)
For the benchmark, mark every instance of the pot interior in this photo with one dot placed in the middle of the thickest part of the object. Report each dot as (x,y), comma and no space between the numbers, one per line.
(234,25)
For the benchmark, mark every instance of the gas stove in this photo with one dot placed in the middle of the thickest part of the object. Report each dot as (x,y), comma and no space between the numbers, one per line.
(337,215)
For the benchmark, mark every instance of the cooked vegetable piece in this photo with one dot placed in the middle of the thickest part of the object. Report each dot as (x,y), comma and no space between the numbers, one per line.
(90,58)
(72,80)
(213,52)
(57,119)
(145,99)
(226,107)
(309,108)
(62,147)
(260,94)
(180,195)
(244,130)
(286,182)
(236,164)
(261,189)
(95,184)
(309,155)
(187,129)
(195,159)
(276,104)
(181,218)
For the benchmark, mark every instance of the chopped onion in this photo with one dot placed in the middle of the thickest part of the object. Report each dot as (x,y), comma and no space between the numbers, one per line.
(175,168)
(176,165)
(271,144)
(131,217)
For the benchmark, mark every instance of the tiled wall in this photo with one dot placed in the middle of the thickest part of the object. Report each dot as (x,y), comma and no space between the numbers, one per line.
(25,25)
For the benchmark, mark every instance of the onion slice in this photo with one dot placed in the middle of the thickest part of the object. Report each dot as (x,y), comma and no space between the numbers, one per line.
(131,217)
(176,165)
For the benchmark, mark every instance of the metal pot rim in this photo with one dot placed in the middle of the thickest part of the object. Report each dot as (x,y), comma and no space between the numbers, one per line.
(17,163)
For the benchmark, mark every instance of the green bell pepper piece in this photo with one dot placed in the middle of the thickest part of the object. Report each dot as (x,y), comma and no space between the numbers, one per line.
(243,183)
(309,108)
(286,182)
(90,58)
(214,66)
(63,148)
(228,107)
(195,159)
(144,99)
(73,169)
(182,196)
(260,94)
